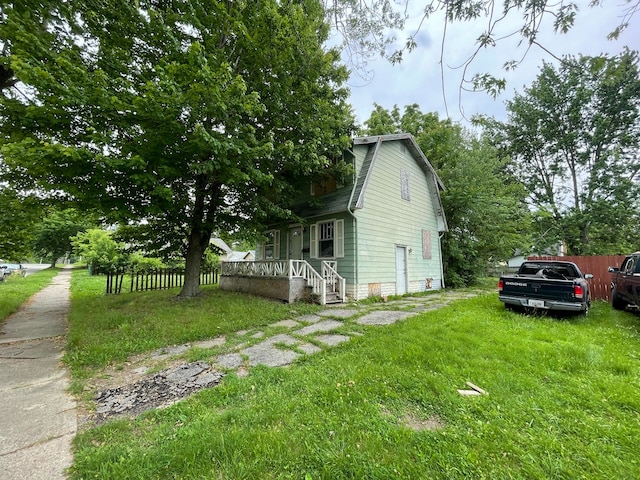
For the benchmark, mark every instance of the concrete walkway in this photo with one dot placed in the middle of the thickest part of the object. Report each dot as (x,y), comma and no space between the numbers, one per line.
(37,416)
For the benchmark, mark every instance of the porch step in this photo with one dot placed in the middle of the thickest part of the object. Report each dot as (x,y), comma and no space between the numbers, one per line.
(333,297)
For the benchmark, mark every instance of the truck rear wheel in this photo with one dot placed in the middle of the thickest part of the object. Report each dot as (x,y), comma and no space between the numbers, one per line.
(616,302)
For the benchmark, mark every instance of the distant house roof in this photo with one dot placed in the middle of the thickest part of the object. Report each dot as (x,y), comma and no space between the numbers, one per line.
(222,245)
(240,256)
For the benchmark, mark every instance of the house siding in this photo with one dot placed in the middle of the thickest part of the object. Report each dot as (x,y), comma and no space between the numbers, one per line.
(387,220)
(392,202)
(346,264)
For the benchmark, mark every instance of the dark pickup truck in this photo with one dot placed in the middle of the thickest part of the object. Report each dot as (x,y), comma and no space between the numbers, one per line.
(625,283)
(546,285)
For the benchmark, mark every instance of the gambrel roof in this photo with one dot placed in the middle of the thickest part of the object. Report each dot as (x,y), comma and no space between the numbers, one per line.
(353,198)
(410,143)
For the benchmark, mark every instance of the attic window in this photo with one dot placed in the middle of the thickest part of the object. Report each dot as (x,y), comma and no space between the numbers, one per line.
(324,186)
(404,185)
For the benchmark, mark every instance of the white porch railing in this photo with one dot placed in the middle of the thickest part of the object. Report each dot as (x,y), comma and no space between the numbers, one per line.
(291,269)
(335,282)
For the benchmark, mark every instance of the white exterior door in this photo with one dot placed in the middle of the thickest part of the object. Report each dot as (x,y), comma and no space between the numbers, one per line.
(401,270)
(295,243)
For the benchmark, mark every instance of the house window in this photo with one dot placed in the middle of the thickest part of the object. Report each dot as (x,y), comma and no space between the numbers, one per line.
(327,239)
(426,244)
(404,185)
(271,249)
(326,185)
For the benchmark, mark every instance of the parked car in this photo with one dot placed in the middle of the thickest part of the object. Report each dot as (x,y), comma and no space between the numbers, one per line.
(12,269)
(546,285)
(625,283)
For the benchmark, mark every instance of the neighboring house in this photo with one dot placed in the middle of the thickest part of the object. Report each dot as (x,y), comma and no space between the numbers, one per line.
(378,235)
(234,256)
(231,255)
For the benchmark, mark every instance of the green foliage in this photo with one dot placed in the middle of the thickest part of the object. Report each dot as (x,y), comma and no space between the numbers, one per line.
(17,217)
(52,236)
(562,399)
(575,143)
(211,258)
(98,249)
(483,204)
(193,116)
(139,263)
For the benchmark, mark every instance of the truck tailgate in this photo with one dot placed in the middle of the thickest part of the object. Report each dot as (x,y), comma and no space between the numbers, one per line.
(539,288)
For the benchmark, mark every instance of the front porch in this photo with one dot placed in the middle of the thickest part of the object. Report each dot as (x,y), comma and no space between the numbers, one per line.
(287,280)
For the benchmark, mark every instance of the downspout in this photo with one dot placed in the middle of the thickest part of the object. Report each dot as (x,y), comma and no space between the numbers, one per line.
(355,237)
(441,260)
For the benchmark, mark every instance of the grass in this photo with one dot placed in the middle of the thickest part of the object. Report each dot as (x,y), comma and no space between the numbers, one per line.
(15,290)
(107,329)
(563,396)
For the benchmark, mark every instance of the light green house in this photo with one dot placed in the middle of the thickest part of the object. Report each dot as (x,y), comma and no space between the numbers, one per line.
(378,235)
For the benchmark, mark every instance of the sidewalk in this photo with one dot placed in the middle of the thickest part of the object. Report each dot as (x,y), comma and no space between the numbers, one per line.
(37,416)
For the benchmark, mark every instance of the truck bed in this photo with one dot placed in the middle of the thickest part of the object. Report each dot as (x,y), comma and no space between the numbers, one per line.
(545,290)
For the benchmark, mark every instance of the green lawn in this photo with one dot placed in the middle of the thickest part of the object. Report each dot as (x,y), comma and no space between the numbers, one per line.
(562,399)
(15,290)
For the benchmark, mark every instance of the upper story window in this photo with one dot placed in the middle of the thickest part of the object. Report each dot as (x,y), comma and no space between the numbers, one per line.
(326,183)
(404,185)
(324,186)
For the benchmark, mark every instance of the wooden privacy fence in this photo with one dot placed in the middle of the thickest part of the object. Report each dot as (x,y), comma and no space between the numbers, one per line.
(158,279)
(598,266)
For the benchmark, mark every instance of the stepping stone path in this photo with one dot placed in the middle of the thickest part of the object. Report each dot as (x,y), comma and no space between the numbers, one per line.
(307,335)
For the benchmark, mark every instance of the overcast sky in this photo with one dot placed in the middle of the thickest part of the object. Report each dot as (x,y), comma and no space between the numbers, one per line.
(418,78)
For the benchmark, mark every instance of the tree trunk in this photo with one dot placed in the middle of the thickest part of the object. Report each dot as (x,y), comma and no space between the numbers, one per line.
(198,242)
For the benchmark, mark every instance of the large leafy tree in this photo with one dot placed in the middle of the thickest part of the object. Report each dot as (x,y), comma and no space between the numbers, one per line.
(18,215)
(189,115)
(574,136)
(52,235)
(484,205)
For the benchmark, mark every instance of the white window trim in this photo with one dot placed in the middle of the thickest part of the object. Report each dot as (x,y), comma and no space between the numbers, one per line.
(338,239)
(276,245)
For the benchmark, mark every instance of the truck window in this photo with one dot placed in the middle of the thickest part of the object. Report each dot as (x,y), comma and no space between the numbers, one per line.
(637,269)
(568,272)
(530,269)
(629,266)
